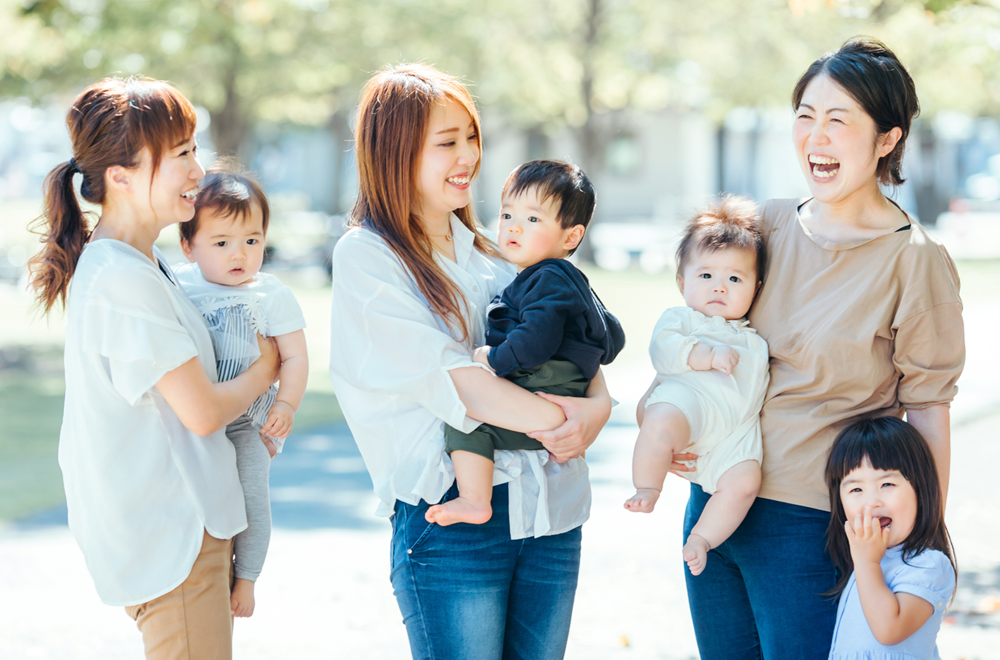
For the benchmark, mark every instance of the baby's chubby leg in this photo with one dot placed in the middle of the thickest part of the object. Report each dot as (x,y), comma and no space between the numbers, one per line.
(664,432)
(723,513)
(474,474)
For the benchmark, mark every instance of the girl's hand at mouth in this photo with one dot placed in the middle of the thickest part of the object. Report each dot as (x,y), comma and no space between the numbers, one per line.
(867,538)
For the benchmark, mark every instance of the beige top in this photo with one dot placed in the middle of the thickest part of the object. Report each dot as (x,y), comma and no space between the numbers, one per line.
(856,328)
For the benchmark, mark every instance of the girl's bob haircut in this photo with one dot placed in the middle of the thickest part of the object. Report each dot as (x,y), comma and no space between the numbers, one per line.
(887,443)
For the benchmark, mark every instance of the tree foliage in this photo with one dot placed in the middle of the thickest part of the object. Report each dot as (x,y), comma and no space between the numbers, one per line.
(543,63)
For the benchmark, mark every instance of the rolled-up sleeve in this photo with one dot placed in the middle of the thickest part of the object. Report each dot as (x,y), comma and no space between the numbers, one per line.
(930,354)
(384,338)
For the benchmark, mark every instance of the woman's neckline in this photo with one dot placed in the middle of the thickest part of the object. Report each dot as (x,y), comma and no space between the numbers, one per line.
(850,243)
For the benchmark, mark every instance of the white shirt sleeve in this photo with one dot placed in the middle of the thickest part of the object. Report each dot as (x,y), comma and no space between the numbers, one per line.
(385,338)
(284,315)
(136,330)
(671,344)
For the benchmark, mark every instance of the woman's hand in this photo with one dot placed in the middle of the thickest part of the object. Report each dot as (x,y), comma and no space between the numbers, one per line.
(584,420)
(867,538)
(585,417)
(677,466)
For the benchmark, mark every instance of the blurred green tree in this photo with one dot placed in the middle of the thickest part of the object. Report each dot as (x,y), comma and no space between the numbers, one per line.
(543,65)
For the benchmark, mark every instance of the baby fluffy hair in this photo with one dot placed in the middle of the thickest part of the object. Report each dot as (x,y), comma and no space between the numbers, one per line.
(565,182)
(231,192)
(730,222)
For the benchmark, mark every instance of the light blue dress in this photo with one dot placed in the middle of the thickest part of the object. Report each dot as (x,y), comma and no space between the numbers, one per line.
(929,575)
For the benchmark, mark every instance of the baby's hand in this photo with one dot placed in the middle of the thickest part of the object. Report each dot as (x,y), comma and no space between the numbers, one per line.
(482,356)
(279,420)
(866,537)
(725,359)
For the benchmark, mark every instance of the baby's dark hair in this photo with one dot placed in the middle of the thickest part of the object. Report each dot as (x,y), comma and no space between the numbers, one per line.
(887,443)
(731,222)
(565,182)
(231,192)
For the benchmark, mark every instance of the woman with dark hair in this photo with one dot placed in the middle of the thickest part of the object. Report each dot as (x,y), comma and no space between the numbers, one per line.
(151,484)
(411,283)
(861,312)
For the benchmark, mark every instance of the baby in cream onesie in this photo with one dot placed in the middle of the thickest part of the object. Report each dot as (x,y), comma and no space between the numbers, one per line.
(712,373)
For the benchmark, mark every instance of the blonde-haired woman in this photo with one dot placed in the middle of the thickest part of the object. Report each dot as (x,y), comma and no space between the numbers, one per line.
(411,282)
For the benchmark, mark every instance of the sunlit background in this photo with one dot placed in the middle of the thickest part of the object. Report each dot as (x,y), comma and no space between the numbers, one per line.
(663,102)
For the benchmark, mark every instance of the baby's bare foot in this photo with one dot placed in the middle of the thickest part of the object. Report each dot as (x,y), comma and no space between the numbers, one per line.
(696,553)
(459,510)
(644,500)
(241,601)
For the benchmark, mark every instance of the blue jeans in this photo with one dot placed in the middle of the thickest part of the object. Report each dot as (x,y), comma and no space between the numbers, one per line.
(469,591)
(760,594)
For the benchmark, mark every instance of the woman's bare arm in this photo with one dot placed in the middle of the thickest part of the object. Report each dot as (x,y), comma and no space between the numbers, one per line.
(934,423)
(499,402)
(585,417)
(205,407)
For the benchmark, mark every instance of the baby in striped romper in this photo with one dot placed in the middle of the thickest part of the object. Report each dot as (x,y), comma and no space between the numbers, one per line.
(225,244)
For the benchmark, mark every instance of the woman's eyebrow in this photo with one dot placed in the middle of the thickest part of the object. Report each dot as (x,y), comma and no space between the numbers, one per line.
(806,105)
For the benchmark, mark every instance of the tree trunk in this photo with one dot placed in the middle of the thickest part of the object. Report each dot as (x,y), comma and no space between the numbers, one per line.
(230,126)
(589,135)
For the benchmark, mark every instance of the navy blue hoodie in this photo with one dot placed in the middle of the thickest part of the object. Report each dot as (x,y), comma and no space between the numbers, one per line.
(550,312)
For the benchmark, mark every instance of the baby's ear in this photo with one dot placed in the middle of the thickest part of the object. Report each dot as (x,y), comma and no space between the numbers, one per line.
(186,248)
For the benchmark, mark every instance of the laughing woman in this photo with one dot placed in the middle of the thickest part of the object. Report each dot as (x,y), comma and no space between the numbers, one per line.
(411,282)
(861,312)
(151,484)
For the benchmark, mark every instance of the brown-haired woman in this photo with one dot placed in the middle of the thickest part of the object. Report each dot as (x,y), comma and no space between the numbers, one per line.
(861,312)
(151,483)
(411,282)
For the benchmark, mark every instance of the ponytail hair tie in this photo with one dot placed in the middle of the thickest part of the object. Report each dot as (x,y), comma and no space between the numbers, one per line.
(73,167)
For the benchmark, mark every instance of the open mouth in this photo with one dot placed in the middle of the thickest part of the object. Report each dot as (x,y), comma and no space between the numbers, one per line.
(823,167)
(190,195)
(460,181)
(884,521)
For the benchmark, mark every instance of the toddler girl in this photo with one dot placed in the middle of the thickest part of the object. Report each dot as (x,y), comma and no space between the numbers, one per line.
(888,541)
(712,373)
(225,243)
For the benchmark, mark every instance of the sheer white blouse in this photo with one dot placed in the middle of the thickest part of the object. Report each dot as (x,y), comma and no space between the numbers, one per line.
(140,487)
(390,359)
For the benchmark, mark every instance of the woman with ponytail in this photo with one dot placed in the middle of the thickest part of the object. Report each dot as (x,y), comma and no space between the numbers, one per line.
(411,283)
(151,483)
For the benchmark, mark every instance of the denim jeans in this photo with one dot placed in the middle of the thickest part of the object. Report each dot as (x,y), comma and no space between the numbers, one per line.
(760,594)
(470,592)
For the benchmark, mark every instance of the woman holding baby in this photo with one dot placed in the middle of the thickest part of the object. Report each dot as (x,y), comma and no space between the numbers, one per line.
(411,283)
(861,312)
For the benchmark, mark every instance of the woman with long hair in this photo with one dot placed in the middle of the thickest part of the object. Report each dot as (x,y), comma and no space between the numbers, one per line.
(151,484)
(411,283)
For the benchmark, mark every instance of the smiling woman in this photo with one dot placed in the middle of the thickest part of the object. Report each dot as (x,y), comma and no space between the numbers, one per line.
(861,312)
(151,482)
(411,283)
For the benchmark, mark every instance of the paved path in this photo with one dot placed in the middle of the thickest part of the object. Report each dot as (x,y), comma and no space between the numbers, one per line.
(325,591)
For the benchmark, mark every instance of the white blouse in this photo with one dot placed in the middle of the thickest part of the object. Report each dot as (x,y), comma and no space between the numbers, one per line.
(390,359)
(140,487)
(234,316)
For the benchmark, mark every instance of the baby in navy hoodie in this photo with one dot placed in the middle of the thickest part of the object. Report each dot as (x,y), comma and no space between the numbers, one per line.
(547,331)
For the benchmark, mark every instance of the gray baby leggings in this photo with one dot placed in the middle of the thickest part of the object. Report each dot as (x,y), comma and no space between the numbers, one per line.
(253,463)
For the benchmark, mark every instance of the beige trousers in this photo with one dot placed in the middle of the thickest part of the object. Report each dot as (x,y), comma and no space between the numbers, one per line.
(192,622)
